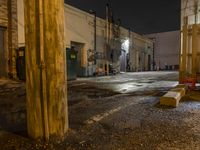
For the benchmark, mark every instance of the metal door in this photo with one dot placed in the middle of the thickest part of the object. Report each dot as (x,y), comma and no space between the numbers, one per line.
(20,61)
(78,47)
(71,64)
(2,55)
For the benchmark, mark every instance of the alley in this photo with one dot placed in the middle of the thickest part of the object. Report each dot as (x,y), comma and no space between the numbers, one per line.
(112,112)
(99,75)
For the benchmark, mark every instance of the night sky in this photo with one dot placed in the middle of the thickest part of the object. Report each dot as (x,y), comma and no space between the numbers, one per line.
(142,16)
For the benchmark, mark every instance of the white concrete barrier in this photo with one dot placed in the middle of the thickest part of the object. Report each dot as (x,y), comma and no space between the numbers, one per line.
(173,97)
(170,99)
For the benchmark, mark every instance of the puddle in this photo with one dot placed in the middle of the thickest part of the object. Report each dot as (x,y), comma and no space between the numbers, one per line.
(100,93)
(90,92)
(73,102)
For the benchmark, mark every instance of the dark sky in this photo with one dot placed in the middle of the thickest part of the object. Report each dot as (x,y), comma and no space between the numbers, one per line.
(142,16)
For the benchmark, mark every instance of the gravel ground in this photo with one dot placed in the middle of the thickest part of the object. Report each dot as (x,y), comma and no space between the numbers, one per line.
(118,112)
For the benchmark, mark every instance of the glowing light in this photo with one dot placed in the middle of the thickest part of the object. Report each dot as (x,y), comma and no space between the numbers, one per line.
(125,45)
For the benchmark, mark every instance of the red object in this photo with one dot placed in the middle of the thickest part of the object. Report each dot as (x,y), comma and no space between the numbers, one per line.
(190,82)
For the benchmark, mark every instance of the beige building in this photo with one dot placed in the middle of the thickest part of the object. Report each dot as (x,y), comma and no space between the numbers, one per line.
(126,50)
(8,38)
(141,53)
(166,49)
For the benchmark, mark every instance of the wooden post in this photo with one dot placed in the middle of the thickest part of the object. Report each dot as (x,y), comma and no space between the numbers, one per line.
(184,51)
(194,49)
(47,113)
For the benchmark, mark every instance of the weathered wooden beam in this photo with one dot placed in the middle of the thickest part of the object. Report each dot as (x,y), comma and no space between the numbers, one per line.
(47,113)
(194,49)
(183,52)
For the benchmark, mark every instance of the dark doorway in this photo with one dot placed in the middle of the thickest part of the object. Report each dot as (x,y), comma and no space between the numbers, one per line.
(71,63)
(78,47)
(20,64)
(2,54)
(149,62)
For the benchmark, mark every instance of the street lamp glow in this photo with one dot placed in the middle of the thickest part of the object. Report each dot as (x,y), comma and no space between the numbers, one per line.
(125,45)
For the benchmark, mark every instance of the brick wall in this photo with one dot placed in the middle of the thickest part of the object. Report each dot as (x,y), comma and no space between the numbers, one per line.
(3,13)
(12,30)
(8,20)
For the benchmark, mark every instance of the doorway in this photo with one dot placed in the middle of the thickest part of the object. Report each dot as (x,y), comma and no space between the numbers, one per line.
(78,47)
(149,62)
(123,61)
(3,65)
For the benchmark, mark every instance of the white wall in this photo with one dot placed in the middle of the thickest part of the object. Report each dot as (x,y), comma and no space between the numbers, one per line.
(79,27)
(167,48)
(141,47)
(20,17)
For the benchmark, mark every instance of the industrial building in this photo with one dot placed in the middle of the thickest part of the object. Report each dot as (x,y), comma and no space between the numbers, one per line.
(8,38)
(166,50)
(98,43)
(135,109)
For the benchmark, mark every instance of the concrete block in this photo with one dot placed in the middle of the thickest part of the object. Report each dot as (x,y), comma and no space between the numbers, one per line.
(182,91)
(170,99)
(182,86)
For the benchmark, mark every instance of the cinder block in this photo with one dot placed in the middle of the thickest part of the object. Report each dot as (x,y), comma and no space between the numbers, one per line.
(170,99)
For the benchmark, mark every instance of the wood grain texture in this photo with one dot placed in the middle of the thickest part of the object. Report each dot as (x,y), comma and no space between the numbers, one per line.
(46,86)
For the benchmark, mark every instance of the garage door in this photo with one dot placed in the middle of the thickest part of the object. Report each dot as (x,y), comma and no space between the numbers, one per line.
(2,55)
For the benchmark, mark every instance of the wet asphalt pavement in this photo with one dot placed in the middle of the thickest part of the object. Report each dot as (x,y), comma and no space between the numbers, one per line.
(115,112)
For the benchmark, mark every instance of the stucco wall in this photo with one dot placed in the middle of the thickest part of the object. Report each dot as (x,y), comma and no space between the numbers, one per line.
(20,17)
(79,27)
(140,48)
(167,48)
